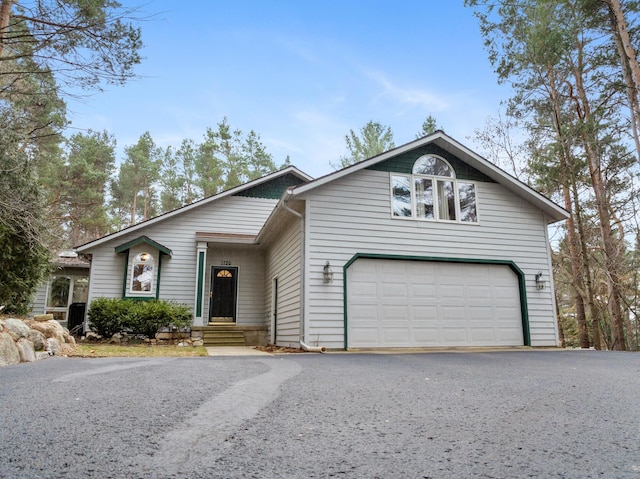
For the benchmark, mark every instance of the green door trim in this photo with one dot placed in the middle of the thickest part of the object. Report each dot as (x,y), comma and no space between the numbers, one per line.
(200,284)
(524,312)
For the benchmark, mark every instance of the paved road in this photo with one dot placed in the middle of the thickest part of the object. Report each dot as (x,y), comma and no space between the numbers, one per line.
(561,414)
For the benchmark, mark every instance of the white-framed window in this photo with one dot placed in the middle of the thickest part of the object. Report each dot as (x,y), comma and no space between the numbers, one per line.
(433,193)
(142,274)
(64,290)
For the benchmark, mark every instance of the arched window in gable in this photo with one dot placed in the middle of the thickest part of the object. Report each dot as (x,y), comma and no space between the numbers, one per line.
(432,192)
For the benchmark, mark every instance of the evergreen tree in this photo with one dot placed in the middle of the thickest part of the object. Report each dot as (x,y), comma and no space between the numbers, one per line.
(373,139)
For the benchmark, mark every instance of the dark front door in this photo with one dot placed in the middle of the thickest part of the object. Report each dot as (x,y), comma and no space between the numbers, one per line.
(224,288)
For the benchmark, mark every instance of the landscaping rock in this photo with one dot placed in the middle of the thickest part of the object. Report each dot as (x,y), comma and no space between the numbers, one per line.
(53,346)
(16,328)
(198,343)
(116,339)
(26,350)
(43,317)
(38,339)
(51,329)
(8,350)
(20,339)
(91,336)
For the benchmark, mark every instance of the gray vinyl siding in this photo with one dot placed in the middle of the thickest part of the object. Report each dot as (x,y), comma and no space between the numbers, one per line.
(353,215)
(37,306)
(240,215)
(283,261)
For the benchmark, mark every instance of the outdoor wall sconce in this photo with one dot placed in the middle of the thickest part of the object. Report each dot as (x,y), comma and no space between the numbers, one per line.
(540,282)
(327,273)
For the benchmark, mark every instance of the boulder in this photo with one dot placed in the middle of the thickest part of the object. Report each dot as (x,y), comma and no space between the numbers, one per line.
(53,346)
(26,350)
(38,339)
(43,317)
(116,338)
(198,342)
(16,328)
(51,329)
(8,350)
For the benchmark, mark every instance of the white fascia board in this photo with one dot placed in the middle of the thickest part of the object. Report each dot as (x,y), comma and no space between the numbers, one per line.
(197,204)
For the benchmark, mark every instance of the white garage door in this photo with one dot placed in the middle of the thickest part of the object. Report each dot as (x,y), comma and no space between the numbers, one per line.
(393,303)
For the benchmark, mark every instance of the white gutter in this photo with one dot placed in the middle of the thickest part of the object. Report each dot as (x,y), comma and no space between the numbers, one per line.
(303,259)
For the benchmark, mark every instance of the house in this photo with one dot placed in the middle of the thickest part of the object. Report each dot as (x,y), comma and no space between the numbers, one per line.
(64,294)
(426,245)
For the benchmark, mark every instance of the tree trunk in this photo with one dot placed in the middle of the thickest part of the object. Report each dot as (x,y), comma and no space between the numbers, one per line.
(5,16)
(628,63)
(610,247)
(567,168)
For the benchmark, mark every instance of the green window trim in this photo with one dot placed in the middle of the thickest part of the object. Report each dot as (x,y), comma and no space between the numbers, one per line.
(524,311)
(125,248)
(200,284)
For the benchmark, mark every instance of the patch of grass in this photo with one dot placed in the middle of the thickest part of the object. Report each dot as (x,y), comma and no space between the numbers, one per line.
(99,350)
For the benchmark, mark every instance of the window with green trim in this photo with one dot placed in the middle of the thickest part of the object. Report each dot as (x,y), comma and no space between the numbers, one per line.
(433,193)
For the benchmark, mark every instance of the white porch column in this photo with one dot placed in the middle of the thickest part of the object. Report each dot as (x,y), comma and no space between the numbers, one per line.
(201,262)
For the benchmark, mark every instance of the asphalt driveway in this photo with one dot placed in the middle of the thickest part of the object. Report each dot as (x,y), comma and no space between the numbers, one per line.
(569,414)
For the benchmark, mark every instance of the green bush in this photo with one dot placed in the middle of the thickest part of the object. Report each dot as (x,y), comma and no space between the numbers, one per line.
(110,316)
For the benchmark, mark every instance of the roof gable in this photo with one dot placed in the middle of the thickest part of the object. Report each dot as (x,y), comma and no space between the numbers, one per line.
(447,146)
(143,240)
(272,189)
(403,163)
(291,173)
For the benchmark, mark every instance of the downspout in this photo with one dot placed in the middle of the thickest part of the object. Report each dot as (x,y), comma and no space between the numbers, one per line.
(303,345)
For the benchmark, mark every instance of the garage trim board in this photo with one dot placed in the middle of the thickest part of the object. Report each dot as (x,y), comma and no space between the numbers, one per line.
(518,272)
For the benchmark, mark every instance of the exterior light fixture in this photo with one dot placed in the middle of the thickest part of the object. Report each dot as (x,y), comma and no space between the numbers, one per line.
(540,282)
(327,273)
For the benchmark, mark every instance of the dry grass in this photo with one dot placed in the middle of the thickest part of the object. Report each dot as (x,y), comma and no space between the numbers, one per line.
(100,350)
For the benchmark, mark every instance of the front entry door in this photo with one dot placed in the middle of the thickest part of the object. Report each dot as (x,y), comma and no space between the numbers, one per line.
(224,288)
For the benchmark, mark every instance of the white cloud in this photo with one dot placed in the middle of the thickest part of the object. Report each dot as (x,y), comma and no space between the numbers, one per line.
(411,97)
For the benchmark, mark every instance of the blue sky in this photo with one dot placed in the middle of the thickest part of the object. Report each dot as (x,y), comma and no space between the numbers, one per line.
(301,74)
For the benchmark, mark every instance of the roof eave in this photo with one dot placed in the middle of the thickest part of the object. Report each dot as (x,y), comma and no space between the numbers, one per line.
(202,202)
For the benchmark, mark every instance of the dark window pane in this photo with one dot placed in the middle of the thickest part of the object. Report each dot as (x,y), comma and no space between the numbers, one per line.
(467,194)
(424,198)
(401,196)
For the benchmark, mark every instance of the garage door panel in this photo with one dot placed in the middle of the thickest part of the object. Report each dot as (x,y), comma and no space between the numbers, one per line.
(396,335)
(413,303)
(395,314)
(450,291)
(454,336)
(422,292)
(425,314)
(393,290)
(365,289)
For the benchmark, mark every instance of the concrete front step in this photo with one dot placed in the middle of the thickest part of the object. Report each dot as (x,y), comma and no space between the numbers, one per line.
(217,334)
(223,337)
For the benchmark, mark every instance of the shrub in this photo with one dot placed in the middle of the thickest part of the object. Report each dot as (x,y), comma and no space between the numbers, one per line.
(110,316)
